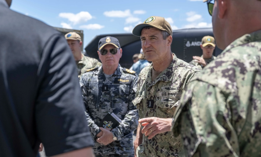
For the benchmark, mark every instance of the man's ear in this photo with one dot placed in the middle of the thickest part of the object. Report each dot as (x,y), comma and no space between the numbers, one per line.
(201,46)
(169,39)
(80,43)
(223,6)
(121,51)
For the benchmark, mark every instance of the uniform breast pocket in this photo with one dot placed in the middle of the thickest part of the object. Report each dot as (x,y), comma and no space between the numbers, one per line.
(167,107)
(123,92)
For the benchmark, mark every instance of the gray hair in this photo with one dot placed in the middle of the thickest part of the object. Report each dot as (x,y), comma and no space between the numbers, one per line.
(164,33)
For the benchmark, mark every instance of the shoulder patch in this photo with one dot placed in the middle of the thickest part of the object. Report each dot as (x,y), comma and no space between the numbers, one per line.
(129,71)
(92,69)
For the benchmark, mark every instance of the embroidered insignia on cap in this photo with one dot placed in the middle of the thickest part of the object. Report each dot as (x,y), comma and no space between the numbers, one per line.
(150,19)
(108,39)
(208,39)
(69,35)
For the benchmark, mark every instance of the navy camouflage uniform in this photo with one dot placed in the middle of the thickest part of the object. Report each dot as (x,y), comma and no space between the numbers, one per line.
(103,94)
(220,111)
(160,98)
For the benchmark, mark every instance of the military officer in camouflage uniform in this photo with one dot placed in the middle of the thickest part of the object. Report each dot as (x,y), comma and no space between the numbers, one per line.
(109,89)
(83,62)
(208,47)
(159,89)
(220,112)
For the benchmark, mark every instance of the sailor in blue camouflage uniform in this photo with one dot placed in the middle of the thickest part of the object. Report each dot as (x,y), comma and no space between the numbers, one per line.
(109,89)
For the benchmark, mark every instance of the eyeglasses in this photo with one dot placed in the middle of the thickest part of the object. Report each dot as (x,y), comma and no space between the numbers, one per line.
(210,4)
(112,51)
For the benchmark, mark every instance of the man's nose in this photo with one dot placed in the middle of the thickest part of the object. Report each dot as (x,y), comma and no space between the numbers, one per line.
(146,43)
(108,53)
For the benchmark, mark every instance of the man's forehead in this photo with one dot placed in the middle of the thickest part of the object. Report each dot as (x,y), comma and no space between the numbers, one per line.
(71,41)
(150,32)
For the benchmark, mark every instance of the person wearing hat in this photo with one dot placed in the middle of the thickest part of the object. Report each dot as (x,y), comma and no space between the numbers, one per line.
(83,62)
(208,47)
(110,89)
(140,64)
(159,89)
(220,111)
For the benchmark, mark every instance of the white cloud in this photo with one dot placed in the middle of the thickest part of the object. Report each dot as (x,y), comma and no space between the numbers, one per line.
(198,25)
(77,18)
(139,12)
(65,25)
(169,19)
(92,26)
(139,23)
(204,24)
(132,20)
(117,13)
(174,27)
(128,29)
(192,16)
(191,25)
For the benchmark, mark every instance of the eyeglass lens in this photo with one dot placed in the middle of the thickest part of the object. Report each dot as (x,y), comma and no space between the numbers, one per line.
(112,51)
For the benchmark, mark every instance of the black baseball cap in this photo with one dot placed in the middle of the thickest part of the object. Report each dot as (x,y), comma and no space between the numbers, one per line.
(108,41)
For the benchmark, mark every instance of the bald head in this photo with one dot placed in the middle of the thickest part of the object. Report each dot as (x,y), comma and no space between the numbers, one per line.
(233,18)
(8,2)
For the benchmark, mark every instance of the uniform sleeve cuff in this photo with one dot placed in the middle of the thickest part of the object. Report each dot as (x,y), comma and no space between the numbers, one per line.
(115,133)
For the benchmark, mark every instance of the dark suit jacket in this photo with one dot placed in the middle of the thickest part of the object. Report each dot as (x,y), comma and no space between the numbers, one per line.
(40,98)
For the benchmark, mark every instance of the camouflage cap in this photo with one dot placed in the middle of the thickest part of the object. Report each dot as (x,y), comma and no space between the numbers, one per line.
(153,21)
(208,40)
(73,36)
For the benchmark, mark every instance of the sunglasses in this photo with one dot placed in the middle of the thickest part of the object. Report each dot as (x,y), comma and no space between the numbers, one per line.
(210,5)
(112,51)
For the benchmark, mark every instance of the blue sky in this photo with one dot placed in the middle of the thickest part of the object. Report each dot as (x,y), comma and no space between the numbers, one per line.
(115,16)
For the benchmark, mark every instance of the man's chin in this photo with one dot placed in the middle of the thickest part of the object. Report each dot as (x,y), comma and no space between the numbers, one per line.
(150,59)
(109,64)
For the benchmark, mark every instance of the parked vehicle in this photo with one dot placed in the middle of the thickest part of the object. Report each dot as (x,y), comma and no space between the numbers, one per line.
(186,43)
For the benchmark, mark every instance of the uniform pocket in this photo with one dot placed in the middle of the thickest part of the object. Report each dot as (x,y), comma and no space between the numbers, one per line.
(166,108)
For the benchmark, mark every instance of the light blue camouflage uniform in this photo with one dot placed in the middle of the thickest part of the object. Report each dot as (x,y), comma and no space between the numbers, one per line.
(220,112)
(139,65)
(114,94)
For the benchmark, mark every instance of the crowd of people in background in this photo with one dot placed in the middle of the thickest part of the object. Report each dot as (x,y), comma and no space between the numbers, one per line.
(208,107)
